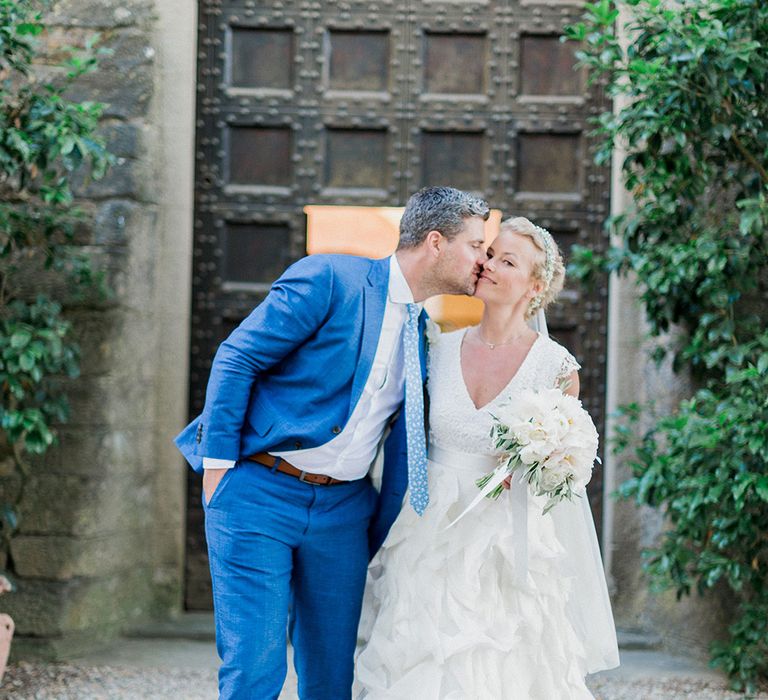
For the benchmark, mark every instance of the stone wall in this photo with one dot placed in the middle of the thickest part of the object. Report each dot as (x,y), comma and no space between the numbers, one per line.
(689,625)
(101,522)
(685,626)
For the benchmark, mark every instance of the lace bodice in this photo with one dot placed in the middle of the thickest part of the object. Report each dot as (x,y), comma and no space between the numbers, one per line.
(454,422)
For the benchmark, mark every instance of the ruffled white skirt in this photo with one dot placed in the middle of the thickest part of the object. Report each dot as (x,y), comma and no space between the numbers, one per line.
(445,617)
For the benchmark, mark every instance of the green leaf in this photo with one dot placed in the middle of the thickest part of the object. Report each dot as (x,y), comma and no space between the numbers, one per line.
(761,488)
(29,29)
(26,361)
(20,338)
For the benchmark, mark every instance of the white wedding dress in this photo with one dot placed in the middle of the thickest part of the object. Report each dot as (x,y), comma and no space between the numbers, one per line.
(447,613)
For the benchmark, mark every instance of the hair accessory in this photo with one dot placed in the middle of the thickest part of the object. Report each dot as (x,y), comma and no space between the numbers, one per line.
(549,264)
(549,253)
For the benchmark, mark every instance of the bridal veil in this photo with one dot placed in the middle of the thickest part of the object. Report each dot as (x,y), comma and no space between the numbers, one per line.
(589,607)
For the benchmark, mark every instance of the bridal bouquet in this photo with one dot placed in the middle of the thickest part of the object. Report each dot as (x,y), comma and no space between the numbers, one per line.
(550,439)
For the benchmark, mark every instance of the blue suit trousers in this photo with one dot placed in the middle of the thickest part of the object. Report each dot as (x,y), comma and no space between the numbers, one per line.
(281,548)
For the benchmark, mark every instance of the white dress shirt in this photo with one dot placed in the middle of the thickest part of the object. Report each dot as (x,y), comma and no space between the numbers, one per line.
(349,455)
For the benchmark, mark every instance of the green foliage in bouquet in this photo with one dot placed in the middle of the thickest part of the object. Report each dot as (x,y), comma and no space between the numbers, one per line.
(693,75)
(45,138)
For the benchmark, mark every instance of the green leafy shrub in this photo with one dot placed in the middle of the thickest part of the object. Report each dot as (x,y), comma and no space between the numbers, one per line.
(692,78)
(44,139)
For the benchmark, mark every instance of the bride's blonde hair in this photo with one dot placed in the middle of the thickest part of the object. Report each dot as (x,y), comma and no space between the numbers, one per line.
(550,272)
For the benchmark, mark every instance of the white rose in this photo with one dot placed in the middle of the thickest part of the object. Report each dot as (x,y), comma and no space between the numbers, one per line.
(534,452)
(554,476)
(582,471)
(555,425)
(578,464)
(543,402)
(508,414)
(523,431)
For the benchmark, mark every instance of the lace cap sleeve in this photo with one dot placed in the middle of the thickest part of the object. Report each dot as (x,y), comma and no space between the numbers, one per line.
(568,365)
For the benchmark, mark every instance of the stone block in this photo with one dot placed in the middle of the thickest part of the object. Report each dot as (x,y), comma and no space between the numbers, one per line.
(95,332)
(100,14)
(96,606)
(124,81)
(66,646)
(105,223)
(37,607)
(120,180)
(32,279)
(10,487)
(117,343)
(97,452)
(7,466)
(127,100)
(123,139)
(57,42)
(131,54)
(60,558)
(135,283)
(75,505)
(167,592)
(117,400)
(83,228)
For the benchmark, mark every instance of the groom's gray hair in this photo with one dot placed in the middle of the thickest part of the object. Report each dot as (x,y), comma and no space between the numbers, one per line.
(438,209)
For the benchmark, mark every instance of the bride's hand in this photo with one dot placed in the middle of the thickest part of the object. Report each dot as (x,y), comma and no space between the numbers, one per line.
(507,482)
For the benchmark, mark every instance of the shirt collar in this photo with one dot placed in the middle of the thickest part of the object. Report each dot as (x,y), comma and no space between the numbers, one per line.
(399,292)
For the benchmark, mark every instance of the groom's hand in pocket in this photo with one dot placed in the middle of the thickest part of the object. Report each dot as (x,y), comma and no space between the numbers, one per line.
(211,480)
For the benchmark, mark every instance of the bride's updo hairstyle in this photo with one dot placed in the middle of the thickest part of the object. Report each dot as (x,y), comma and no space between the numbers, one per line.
(548,267)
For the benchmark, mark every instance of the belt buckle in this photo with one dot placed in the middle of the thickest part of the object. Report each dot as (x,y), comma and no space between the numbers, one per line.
(320,479)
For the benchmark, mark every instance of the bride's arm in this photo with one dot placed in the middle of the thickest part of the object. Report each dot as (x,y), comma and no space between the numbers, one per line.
(572,380)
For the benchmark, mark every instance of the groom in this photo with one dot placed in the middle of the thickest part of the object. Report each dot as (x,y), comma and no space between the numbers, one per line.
(297,403)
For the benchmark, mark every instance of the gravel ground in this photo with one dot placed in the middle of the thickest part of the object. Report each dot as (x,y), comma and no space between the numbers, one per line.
(669,689)
(26,681)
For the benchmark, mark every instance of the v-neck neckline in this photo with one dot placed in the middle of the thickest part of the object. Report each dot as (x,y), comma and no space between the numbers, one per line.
(463,382)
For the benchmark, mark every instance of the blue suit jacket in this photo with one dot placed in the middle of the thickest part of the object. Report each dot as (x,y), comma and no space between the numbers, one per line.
(291,374)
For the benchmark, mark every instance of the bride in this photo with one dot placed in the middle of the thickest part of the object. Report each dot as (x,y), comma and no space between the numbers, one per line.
(509,603)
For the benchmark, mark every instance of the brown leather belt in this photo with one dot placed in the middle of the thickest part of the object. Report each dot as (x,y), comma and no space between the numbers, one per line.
(281,465)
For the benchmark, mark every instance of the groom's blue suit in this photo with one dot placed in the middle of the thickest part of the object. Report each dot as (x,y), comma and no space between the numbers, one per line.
(289,378)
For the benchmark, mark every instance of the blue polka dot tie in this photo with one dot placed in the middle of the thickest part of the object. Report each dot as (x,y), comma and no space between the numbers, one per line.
(414,414)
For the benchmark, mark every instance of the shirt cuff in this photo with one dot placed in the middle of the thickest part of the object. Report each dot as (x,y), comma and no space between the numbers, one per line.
(212,463)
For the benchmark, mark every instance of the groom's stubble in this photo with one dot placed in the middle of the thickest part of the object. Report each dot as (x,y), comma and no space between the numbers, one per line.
(459,267)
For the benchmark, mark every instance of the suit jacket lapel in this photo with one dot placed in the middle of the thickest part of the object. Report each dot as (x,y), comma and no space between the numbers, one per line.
(424,357)
(423,343)
(374,303)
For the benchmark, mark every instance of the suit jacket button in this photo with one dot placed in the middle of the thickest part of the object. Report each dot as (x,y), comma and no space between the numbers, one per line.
(297,444)
(336,430)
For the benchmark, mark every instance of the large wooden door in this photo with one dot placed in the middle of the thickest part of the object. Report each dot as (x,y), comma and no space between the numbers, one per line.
(361,103)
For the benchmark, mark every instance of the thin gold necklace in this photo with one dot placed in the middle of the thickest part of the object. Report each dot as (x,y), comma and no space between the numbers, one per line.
(497,345)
